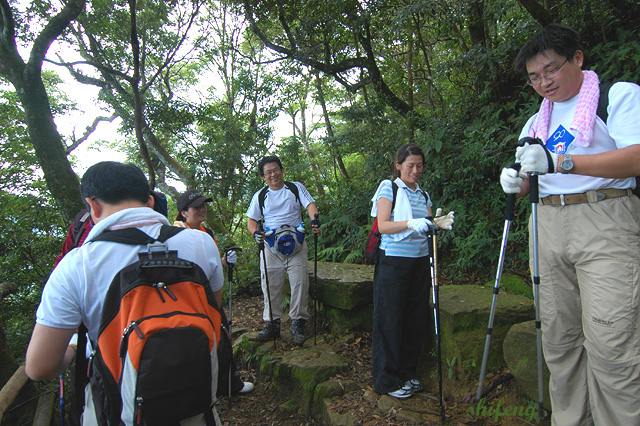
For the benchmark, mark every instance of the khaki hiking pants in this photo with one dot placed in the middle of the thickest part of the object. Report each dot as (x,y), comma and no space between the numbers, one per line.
(589,261)
(296,267)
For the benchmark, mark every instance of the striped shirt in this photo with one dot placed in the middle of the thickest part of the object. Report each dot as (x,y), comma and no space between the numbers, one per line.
(414,245)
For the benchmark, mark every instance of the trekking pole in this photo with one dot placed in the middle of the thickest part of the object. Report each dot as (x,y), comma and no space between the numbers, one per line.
(535,198)
(62,399)
(315,280)
(436,314)
(508,217)
(266,279)
(230,267)
(533,185)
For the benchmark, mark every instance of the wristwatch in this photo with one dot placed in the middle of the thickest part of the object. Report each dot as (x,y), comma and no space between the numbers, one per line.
(567,164)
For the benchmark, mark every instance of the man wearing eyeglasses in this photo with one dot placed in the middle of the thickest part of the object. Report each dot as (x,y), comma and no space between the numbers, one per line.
(588,225)
(286,252)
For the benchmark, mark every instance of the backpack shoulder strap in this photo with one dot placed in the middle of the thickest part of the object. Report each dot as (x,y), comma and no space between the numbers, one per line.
(79,223)
(426,199)
(135,237)
(293,188)
(80,379)
(603,101)
(210,232)
(261,197)
(394,191)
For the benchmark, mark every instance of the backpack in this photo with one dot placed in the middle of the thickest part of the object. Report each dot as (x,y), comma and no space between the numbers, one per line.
(603,104)
(374,238)
(161,205)
(163,367)
(263,195)
(80,226)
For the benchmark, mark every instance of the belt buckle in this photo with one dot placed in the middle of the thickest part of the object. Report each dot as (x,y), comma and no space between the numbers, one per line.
(562,200)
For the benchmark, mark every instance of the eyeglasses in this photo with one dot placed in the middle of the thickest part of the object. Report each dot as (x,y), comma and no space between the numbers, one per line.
(272,171)
(552,73)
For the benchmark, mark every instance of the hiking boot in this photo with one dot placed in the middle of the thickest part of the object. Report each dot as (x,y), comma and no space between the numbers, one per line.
(272,329)
(297,330)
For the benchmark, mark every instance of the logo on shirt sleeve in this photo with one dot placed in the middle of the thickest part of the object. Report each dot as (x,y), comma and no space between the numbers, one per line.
(559,141)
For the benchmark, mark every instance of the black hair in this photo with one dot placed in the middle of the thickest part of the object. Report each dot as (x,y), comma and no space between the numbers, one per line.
(563,40)
(267,160)
(114,182)
(405,151)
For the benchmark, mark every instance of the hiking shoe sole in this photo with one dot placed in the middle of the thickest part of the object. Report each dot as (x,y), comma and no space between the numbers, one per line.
(415,384)
(404,392)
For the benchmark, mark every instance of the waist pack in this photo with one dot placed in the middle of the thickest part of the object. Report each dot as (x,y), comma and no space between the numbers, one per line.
(156,360)
(285,240)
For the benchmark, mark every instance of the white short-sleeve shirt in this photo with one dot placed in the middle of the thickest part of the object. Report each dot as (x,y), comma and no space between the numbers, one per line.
(280,206)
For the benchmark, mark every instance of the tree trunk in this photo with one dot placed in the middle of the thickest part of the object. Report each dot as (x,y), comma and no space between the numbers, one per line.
(27,81)
(305,146)
(330,135)
(537,11)
(62,182)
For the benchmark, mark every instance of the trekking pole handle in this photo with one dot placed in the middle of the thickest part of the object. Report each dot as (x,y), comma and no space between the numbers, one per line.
(533,179)
(316,221)
(234,248)
(511,198)
(261,230)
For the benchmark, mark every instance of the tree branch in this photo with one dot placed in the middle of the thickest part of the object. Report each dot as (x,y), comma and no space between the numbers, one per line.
(88,131)
(52,30)
(537,12)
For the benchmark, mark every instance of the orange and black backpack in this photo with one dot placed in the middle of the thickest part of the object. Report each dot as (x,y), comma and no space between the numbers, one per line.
(156,360)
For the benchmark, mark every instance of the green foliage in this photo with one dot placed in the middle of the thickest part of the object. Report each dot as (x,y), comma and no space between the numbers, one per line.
(467,107)
(618,60)
(30,239)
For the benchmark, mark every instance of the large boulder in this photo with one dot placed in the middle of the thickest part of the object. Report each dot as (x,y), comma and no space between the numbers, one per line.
(343,286)
(464,318)
(346,293)
(296,374)
(520,354)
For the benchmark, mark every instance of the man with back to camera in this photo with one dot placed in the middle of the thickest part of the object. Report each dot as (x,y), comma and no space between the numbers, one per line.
(282,215)
(118,197)
(588,229)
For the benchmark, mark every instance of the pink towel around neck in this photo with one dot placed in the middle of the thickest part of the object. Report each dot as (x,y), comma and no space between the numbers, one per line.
(584,117)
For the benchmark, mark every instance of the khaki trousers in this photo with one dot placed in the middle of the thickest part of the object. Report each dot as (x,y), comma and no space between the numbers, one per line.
(296,267)
(589,261)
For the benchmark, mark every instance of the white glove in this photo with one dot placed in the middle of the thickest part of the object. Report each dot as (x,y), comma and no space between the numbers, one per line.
(444,222)
(421,226)
(512,180)
(259,236)
(232,258)
(536,159)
